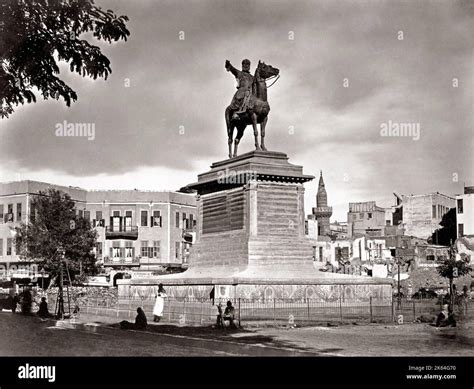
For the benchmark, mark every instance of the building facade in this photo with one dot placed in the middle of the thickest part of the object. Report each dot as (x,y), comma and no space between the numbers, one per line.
(137,230)
(465,212)
(15,208)
(339,230)
(366,218)
(423,213)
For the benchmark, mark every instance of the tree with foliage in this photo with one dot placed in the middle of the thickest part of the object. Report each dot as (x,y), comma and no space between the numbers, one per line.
(452,268)
(36,34)
(53,225)
(447,233)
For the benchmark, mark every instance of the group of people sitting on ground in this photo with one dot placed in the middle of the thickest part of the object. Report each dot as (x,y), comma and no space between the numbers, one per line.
(141,322)
(25,299)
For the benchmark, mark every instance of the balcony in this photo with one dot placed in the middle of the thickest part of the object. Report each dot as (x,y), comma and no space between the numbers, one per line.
(132,262)
(121,232)
(189,234)
(322,211)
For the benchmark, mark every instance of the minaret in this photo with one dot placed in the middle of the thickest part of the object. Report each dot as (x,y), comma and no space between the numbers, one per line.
(322,212)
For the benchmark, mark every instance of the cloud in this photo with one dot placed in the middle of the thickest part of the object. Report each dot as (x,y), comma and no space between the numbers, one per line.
(171,117)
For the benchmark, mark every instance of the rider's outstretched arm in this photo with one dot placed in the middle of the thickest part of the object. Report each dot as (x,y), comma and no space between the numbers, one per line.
(231,69)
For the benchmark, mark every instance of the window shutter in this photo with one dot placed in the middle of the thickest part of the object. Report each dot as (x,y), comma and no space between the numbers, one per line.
(111,223)
(161,222)
(133,252)
(122,252)
(111,253)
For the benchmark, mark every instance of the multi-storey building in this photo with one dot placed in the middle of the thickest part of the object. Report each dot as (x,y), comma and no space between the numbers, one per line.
(15,208)
(366,218)
(338,229)
(465,212)
(141,229)
(423,213)
(137,230)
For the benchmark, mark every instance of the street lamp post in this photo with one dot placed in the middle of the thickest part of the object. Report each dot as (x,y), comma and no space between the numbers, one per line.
(399,298)
(60,312)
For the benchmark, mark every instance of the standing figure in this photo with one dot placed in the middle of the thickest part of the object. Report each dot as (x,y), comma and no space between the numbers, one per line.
(159,303)
(26,302)
(15,302)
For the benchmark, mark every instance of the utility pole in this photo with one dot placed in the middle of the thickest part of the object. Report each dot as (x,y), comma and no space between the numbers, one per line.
(399,286)
(60,305)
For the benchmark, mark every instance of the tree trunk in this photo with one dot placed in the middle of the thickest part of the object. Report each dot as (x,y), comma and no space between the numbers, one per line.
(52,283)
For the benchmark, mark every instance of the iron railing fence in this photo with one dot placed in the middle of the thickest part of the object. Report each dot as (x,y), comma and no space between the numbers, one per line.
(269,311)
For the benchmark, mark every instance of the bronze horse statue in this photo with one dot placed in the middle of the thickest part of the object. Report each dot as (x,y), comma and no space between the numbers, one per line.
(257,110)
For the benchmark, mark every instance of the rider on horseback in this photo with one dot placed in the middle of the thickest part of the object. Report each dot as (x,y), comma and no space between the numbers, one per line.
(241,99)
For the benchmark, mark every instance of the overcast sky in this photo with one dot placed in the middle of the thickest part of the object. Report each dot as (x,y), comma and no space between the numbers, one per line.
(351,67)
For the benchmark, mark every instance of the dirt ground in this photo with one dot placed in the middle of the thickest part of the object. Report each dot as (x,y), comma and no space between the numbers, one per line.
(411,339)
(414,339)
(93,335)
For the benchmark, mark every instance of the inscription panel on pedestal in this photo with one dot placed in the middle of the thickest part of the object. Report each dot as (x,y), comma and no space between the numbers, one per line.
(223,212)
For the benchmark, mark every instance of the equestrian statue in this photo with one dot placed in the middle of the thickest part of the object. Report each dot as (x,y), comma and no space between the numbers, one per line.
(249,104)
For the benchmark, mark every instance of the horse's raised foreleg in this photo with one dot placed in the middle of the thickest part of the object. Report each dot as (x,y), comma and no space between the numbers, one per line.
(255,130)
(230,130)
(262,133)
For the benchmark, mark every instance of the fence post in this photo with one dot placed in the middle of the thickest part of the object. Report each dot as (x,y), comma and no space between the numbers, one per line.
(414,310)
(340,307)
(239,314)
(309,316)
(184,310)
(169,310)
(274,319)
(200,317)
(393,312)
(370,309)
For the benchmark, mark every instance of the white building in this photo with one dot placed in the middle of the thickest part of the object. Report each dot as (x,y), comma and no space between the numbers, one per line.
(465,212)
(137,230)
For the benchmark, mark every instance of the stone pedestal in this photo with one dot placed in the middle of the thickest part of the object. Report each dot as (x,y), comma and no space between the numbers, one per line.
(251,219)
(250,232)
